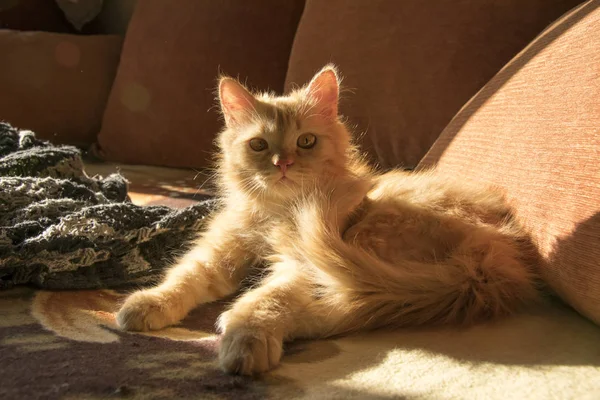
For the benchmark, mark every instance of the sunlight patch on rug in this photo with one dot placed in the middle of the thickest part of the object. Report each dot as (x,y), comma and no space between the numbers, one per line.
(89,316)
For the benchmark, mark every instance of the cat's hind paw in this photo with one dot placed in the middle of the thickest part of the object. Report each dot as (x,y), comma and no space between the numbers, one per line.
(249,351)
(143,311)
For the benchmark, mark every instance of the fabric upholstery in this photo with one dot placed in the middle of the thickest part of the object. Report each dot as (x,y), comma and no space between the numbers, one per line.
(57,84)
(33,15)
(162,110)
(534,130)
(410,65)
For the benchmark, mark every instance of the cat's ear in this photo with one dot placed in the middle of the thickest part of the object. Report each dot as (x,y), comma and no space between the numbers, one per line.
(323,91)
(237,103)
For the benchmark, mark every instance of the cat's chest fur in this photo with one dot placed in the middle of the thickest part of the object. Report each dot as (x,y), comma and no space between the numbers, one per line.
(266,229)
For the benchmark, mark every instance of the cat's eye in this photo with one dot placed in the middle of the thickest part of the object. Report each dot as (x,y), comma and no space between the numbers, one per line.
(258,144)
(307,141)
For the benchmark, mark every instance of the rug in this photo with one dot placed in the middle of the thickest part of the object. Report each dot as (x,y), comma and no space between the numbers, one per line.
(65,345)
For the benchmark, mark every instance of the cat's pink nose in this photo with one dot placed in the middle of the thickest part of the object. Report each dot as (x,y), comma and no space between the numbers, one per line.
(283,163)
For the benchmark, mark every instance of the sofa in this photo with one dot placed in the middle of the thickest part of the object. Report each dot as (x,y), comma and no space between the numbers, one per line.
(504,94)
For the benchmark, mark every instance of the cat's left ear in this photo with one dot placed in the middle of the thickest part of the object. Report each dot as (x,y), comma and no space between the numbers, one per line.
(237,103)
(323,91)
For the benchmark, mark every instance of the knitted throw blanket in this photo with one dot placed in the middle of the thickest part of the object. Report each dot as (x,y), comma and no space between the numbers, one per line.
(60,229)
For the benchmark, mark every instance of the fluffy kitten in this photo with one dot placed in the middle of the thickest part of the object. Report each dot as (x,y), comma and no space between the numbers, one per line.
(341,247)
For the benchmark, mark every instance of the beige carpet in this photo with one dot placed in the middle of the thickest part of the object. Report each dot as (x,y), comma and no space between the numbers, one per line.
(65,345)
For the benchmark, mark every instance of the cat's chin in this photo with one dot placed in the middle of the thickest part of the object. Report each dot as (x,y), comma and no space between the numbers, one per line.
(280,181)
(289,186)
(283,188)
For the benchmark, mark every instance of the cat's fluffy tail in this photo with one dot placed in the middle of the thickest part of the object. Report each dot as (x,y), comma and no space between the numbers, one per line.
(485,277)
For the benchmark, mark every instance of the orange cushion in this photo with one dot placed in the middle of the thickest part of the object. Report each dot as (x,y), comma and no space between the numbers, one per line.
(161,110)
(55,84)
(534,130)
(410,65)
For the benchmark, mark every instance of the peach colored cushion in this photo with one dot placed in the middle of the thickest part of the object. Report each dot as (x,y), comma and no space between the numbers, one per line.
(161,110)
(55,84)
(410,65)
(534,129)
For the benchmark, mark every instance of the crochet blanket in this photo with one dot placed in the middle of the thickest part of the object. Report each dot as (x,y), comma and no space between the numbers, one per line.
(60,229)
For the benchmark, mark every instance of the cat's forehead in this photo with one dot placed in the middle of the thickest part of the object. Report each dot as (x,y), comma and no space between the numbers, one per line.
(281,118)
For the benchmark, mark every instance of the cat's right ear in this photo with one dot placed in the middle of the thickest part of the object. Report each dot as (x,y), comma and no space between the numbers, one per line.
(237,104)
(323,90)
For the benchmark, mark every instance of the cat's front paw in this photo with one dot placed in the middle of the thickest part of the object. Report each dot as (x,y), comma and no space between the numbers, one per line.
(143,311)
(249,351)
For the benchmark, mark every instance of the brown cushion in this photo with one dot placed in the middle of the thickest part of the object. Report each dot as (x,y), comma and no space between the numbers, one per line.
(410,65)
(161,109)
(56,85)
(535,130)
(33,15)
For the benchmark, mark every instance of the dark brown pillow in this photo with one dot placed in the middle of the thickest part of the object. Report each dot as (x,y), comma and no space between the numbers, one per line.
(57,85)
(534,130)
(161,108)
(410,65)
(33,15)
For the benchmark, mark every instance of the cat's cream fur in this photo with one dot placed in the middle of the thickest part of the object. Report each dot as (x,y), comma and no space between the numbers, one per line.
(337,246)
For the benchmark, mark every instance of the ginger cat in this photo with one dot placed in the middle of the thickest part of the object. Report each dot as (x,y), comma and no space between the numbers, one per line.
(338,246)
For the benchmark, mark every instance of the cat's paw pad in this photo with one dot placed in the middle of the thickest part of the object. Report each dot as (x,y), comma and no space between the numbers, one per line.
(143,311)
(248,351)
